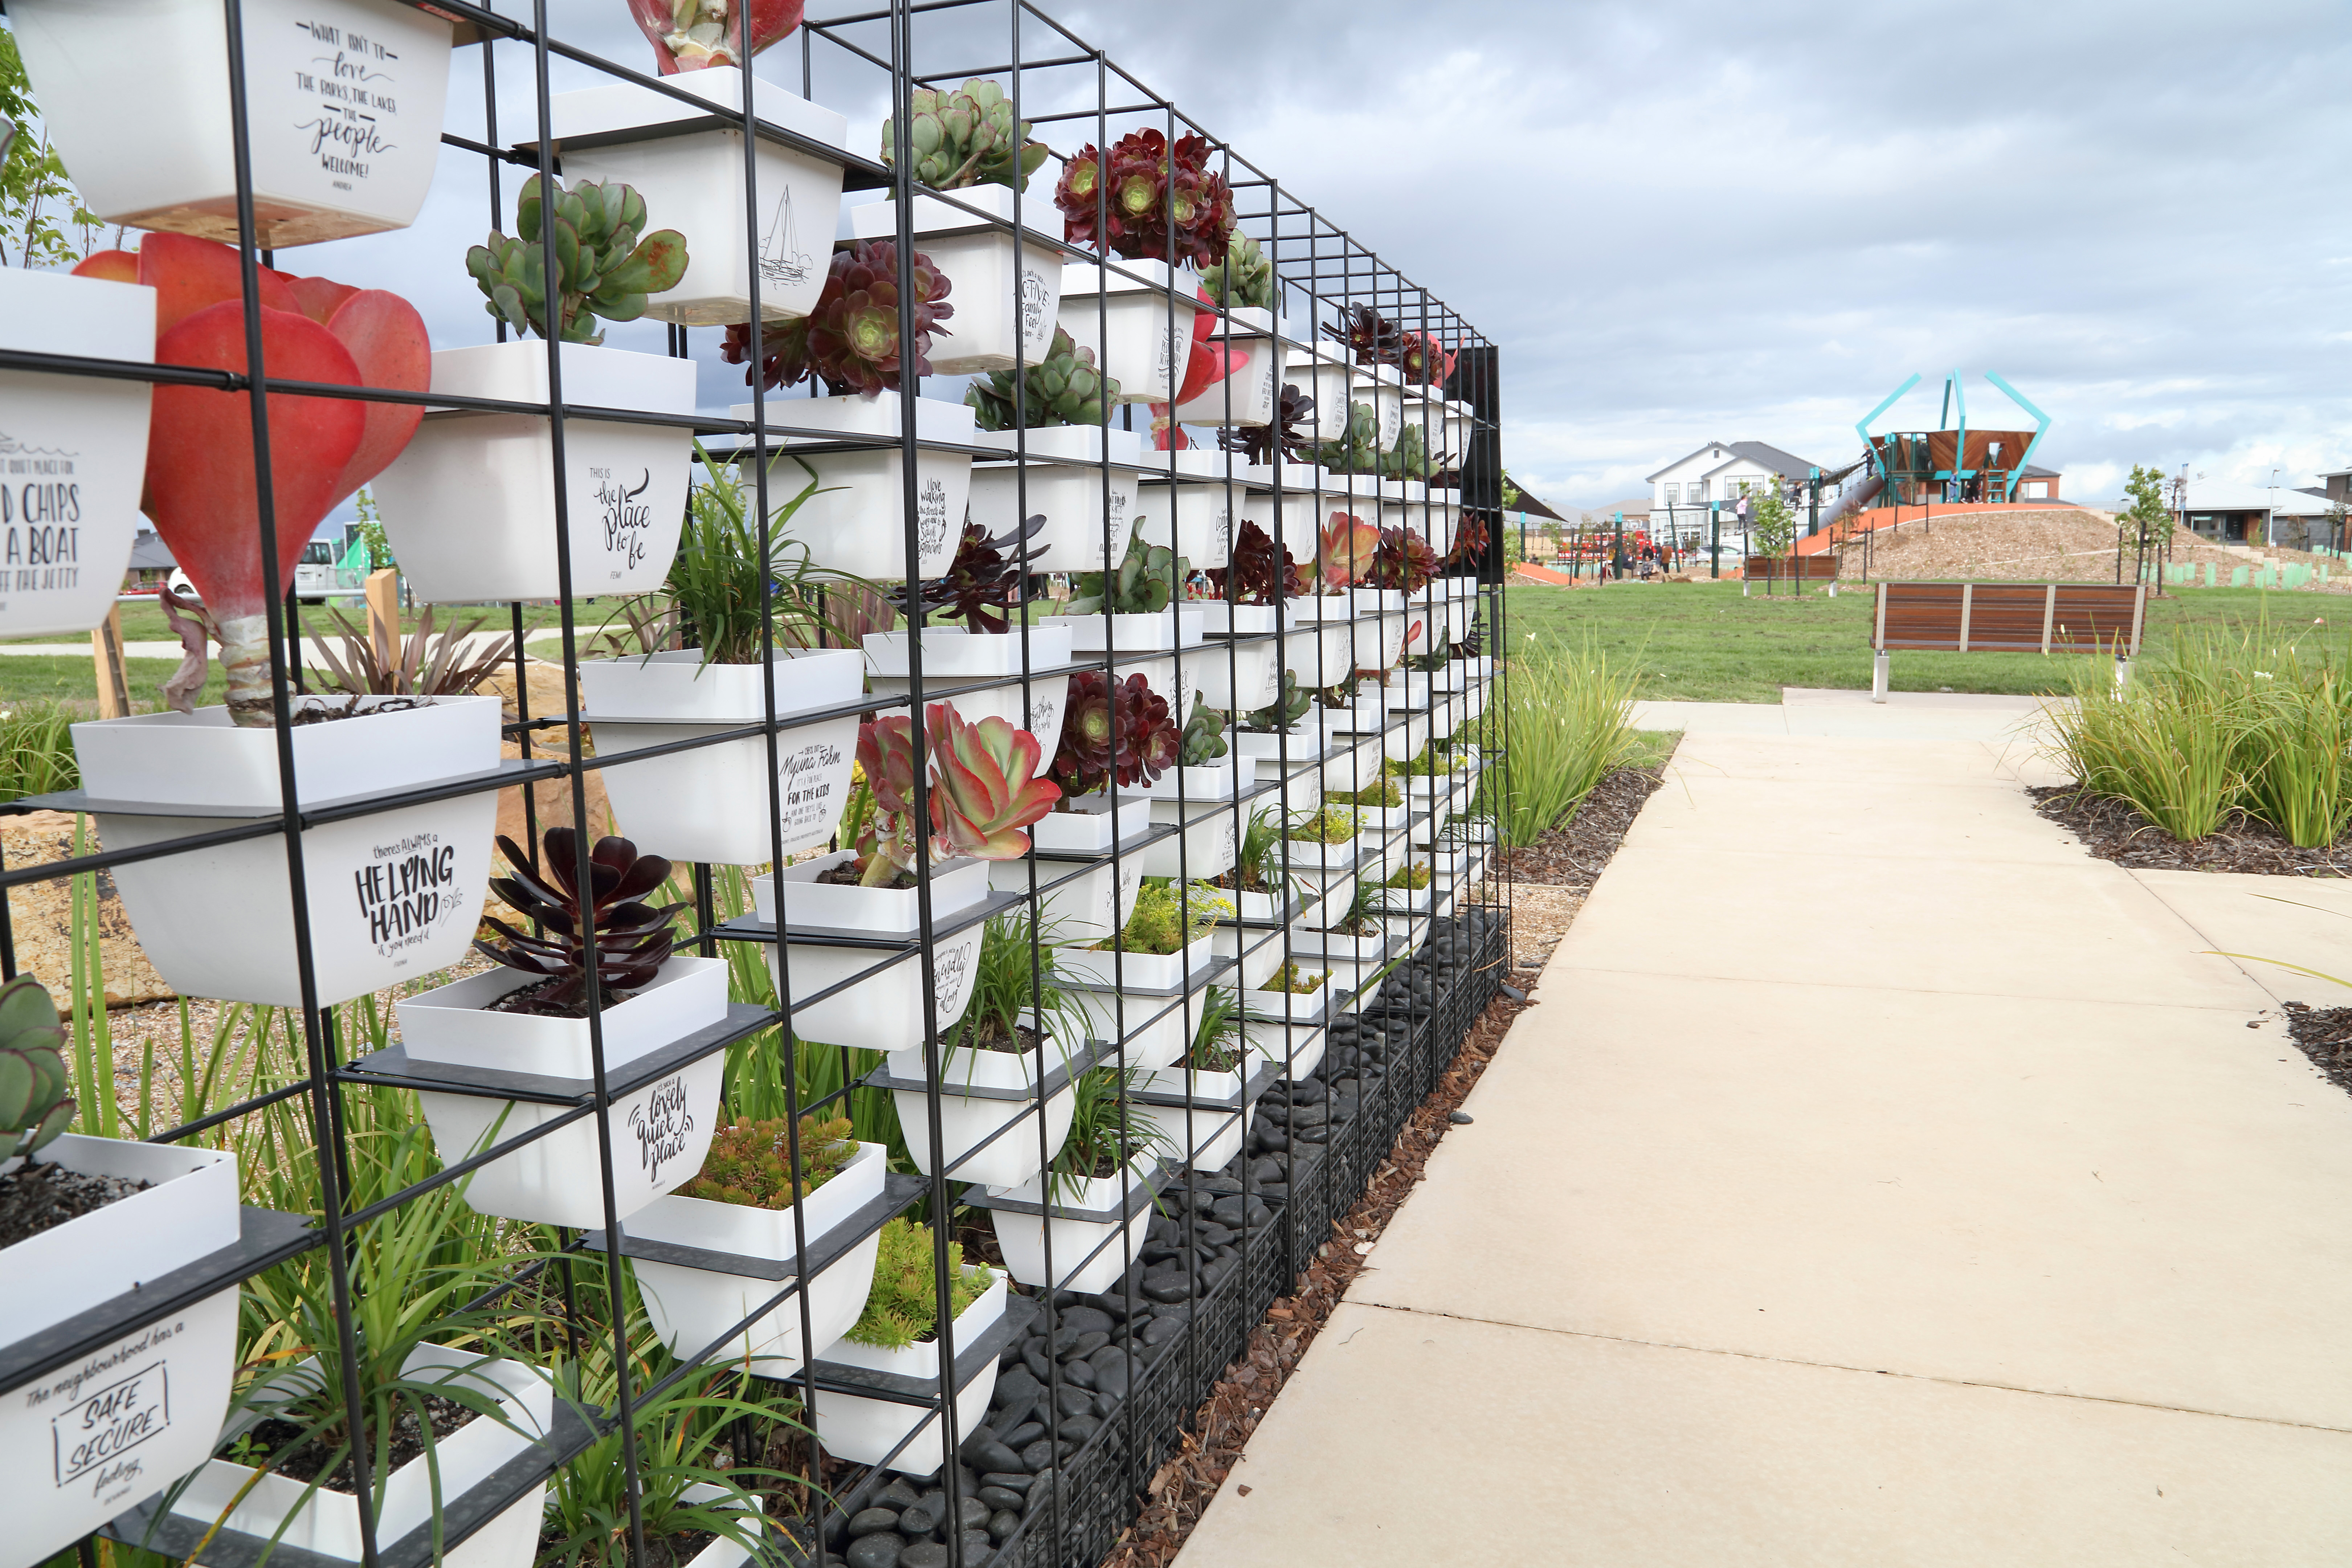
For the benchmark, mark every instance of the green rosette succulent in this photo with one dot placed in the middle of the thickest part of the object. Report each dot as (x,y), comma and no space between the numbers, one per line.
(968,137)
(602,267)
(1244,280)
(1145,582)
(1067,389)
(33,1105)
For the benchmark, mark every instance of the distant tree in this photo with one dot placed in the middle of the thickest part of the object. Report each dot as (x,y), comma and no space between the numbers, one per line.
(38,204)
(2145,521)
(1771,521)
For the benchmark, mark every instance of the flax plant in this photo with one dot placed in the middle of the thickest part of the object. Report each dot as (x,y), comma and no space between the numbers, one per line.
(1570,719)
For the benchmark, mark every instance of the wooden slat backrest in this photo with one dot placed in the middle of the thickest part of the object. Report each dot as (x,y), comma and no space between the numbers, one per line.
(2009,617)
(1820,568)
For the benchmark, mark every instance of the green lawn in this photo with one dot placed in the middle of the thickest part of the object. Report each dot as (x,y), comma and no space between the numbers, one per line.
(1704,642)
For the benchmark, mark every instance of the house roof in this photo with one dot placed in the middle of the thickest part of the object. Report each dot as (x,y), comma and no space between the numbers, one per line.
(1633,506)
(1678,462)
(150,553)
(1529,505)
(1762,453)
(2036,471)
(2218,495)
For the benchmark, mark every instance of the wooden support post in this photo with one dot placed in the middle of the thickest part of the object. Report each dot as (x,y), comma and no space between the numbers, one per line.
(106,651)
(384,616)
(2049,614)
(1968,605)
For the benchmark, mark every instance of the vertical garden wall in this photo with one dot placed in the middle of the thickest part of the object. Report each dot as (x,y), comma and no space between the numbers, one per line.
(934,840)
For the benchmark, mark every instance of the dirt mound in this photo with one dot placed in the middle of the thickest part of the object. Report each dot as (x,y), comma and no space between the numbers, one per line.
(2063,544)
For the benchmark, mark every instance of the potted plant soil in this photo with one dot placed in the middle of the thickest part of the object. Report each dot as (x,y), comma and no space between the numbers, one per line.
(1164,942)
(469,509)
(855,519)
(983,790)
(984,588)
(1100,1185)
(69,505)
(83,1221)
(739,1206)
(1021,1027)
(447,1401)
(693,155)
(414,874)
(730,632)
(530,1016)
(968,145)
(1062,459)
(343,101)
(898,1333)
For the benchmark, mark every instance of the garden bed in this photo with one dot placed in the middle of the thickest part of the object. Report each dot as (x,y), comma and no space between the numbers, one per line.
(2324,1034)
(2115,830)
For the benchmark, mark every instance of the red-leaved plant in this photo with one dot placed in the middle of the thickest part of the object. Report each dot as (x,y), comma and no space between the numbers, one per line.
(1346,549)
(1207,364)
(850,342)
(1114,728)
(693,34)
(201,490)
(984,790)
(1156,204)
(1262,572)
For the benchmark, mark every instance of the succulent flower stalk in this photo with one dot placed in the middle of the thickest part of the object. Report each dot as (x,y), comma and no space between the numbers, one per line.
(33,1105)
(968,137)
(602,266)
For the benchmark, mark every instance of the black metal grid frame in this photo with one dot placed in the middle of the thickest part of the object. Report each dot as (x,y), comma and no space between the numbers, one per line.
(1315,260)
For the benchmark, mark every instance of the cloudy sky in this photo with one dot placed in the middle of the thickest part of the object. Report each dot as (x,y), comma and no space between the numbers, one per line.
(1690,221)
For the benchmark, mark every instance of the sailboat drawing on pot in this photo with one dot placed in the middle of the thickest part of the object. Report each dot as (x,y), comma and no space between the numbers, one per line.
(781,258)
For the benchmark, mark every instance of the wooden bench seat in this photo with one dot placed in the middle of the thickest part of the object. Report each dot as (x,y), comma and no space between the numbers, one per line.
(2006,618)
(1822,567)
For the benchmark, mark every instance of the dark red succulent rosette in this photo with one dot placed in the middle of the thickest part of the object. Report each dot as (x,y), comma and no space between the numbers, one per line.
(850,342)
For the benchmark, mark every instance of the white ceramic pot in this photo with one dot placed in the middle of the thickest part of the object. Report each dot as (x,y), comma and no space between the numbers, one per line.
(86,1442)
(1205,1137)
(1321,653)
(1202,783)
(1220,619)
(1301,855)
(883,1010)
(1295,1048)
(1187,505)
(1088,1255)
(1137,971)
(1209,841)
(469,507)
(1382,387)
(660,1131)
(1137,317)
(328,1522)
(857,520)
(1078,906)
(69,492)
(188,1212)
(1156,1030)
(692,180)
(691,1308)
(725,1552)
(1290,1005)
(863,1431)
(1379,632)
(1360,767)
(967,1122)
(711,805)
(1245,395)
(343,101)
(392,896)
(954,656)
(1005,292)
(1353,960)
(1158,631)
(1259,948)
(1246,676)
(1080,502)
(1322,374)
(1087,824)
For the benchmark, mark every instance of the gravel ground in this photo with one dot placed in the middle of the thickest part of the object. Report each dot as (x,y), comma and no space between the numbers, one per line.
(2063,544)
(2114,829)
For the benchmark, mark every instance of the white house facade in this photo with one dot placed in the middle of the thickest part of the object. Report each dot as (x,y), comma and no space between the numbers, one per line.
(1685,493)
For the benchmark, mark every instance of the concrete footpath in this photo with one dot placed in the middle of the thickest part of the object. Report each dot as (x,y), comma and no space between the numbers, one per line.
(1879,1180)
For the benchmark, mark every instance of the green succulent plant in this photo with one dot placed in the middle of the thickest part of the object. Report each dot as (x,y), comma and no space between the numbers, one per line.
(968,137)
(1415,875)
(1163,921)
(1067,389)
(904,1307)
(1382,795)
(1409,458)
(1359,451)
(602,267)
(1298,982)
(750,1162)
(1332,824)
(1286,710)
(33,1105)
(1204,736)
(1244,279)
(1145,581)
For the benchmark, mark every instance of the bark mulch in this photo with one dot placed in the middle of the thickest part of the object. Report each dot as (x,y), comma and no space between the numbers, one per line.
(1572,854)
(2324,1034)
(1181,1488)
(2114,829)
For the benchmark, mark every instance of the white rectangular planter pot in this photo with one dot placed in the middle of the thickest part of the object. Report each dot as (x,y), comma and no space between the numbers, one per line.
(1324,375)
(1199,784)
(1289,1005)
(1382,387)
(711,804)
(965,1120)
(344,104)
(1306,1044)
(1006,291)
(691,1308)
(660,1132)
(692,181)
(1191,512)
(1158,631)
(857,521)
(1220,619)
(1305,855)
(953,657)
(1322,653)
(1137,971)
(469,507)
(1205,1137)
(1379,644)
(1084,1229)
(1123,311)
(1069,493)
(1356,768)
(1085,907)
(191,1211)
(393,896)
(1230,676)
(1245,395)
(1259,948)
(883,1010)
(863,1431)
(70,480)
(1209,841)
(328,1522)
(1090,825)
